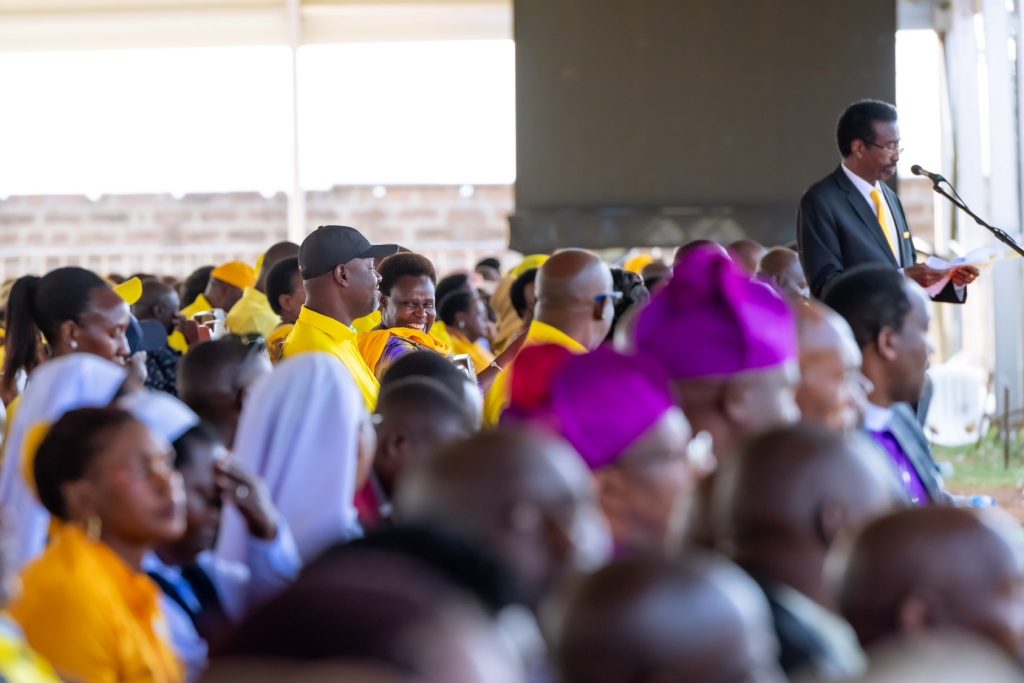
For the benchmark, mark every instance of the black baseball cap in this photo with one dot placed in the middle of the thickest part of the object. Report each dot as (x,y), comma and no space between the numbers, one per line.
(333,245)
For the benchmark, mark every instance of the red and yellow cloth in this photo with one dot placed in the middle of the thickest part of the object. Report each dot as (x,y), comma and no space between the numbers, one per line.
(540,333)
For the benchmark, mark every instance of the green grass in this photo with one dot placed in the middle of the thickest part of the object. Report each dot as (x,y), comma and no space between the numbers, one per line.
(980,467)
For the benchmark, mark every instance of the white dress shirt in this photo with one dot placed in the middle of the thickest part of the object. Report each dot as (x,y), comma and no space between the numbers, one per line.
(270,567)
(866,188)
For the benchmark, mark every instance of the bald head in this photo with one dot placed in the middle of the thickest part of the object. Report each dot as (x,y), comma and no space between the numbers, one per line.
(159,301)
(782,266)
(655,272)
(748,254)
(833,391)
(569,288)
(698,619)
(786,497)
(930,568)
(526,497)
(698,244)
(272,257)
(417,415)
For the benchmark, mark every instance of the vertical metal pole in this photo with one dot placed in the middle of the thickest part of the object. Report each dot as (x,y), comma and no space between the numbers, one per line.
(297,228)
(1006,428)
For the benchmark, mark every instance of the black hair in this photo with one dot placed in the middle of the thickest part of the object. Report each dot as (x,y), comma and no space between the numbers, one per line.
(634,291)
(208,365)
(490,262)
(427,398)
(279,281)
(404,264)
(184,447)
(454,303)
(449,284)
(39,305)
(858,122)
(517,292)
(195,284)
(426,364)
(69,448)
(870,297)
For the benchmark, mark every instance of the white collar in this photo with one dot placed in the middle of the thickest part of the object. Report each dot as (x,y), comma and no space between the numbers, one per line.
(876,418)
(863,186)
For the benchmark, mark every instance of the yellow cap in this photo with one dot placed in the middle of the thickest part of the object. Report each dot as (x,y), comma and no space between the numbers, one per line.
(529,263)
(638,263)
(33,440)
(130,290)
(235,273)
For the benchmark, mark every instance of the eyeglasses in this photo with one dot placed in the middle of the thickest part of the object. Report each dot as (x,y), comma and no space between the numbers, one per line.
(892,147)
(614,296)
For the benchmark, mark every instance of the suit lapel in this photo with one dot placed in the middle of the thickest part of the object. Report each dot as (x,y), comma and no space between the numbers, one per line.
(911,439)
(870,220)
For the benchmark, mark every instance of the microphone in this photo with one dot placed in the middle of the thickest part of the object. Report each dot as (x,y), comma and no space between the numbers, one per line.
(934,177)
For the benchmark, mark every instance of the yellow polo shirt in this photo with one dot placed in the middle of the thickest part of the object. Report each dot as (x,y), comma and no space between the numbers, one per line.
(316,332)
(275,342)
(92,616)
(177,340)
(367,323)
(252,315)
(539,333)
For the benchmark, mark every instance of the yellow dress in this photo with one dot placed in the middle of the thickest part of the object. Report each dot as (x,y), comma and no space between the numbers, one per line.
(480,356)
(540,333)
(18,662)
(317,332)
(92,616)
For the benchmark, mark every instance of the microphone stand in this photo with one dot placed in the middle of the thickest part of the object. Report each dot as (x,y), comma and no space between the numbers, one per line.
(1000,234)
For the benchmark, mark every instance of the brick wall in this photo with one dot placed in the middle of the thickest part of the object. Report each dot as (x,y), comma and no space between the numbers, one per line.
(169,235)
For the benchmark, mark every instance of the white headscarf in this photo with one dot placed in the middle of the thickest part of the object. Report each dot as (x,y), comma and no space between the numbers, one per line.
(58,386)
(299,432)
(163,415)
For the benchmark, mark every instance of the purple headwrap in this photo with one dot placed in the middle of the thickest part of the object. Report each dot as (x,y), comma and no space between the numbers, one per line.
(712,320)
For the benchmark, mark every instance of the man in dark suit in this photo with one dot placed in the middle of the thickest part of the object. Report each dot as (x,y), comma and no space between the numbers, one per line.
(783,502)
(851,217)
(889,317)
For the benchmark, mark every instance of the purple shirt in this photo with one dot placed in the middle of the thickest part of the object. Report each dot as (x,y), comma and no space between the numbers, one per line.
(909,478)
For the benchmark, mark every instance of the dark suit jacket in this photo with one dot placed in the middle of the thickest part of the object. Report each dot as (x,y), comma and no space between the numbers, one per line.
(837,230)
(914,443)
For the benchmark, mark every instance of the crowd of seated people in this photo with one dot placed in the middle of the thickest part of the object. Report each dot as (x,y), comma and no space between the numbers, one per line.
(342,464)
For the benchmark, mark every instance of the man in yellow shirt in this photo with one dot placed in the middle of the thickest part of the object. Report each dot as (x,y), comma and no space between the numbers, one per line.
(253,314)
(227,282)
(575,308)
(286,295)
(341,285)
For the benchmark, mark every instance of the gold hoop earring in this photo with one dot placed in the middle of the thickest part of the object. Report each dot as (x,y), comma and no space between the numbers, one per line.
(93,528)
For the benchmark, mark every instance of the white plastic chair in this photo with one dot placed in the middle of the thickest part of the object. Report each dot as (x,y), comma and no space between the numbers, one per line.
(958,414)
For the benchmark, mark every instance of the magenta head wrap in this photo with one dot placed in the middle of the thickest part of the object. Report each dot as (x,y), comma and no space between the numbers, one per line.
(600,402)
(712,320)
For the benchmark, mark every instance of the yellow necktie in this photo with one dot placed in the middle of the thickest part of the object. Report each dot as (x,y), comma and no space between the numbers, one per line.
(883,220)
